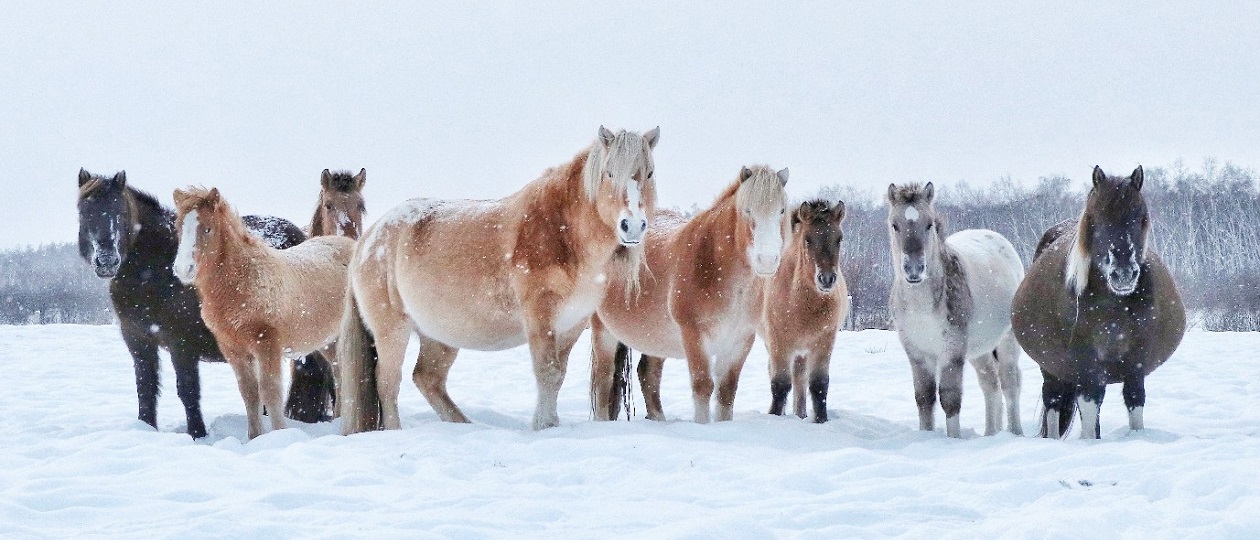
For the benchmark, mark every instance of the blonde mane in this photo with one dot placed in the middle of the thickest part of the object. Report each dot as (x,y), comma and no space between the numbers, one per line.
(627,151)
(762,189)
(1076,276)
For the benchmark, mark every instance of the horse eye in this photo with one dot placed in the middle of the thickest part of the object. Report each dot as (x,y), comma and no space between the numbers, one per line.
(782,211)
(609,173)
(650,173)
(327,206)
(896,228)
(929,226)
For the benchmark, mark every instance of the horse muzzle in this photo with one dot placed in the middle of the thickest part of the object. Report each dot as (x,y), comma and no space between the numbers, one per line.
(106,265)
(826,281)
(1123,281)
(766,265)
(631,230)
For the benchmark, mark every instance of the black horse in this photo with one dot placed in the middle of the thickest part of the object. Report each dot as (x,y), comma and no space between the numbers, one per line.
(1098,307)
(129,238)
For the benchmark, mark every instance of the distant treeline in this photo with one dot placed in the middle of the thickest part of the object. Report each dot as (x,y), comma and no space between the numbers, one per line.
(1202,228)
(51,284)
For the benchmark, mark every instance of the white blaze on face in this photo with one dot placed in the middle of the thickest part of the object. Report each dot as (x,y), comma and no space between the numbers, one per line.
(912,214)
(634,215)
(767,242)
(185,265)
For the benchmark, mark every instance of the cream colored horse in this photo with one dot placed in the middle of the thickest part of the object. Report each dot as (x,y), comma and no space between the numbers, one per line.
(259,302)
(492,275)
(702,297)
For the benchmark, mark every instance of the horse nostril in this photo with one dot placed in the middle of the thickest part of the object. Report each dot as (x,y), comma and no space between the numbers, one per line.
(625,225)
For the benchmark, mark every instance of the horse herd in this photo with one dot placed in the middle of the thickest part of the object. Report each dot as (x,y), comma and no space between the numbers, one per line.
(584,246)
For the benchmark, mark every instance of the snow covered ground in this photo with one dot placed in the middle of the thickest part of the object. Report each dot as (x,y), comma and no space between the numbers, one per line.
(74,462)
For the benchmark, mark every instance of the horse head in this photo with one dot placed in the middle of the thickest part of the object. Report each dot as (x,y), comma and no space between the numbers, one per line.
(198,213)
(817,226)
(106,221)
(620,178)
(914,229)
(761,206)
(340,210)
(1112,232)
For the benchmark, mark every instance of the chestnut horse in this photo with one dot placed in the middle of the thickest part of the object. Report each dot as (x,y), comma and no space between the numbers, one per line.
(951,299)
(339,212)
(259,302)
(804,304)
(702,297)
(492,275)
(1098,307)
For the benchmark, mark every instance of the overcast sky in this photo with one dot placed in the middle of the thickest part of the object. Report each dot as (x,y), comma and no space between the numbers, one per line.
(469,99)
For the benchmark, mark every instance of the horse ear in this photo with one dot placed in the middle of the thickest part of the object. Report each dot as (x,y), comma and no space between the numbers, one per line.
(892,193)
(1099,175)
(744,174)
(838,212)
(606,136)
(1136,178)
(213,198)
(325,179)
(360,179)
(783,176)
(179,196)
(120,178)
(84,176)
(653,136)
(929,192)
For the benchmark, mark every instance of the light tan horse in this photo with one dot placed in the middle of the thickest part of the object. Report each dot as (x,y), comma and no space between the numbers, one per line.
(492,275)
(260,303)
(339,212)
(701,299)
(804,304)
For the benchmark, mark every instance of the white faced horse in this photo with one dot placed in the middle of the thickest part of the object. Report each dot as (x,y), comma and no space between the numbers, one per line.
(951,300)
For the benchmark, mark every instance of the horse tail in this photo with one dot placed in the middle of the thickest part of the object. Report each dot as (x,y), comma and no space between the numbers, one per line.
(357,359)
(1060,396)
(621,381)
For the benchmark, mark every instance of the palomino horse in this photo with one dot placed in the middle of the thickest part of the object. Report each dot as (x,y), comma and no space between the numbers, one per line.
(491,275)
(951,300)
(260,303)
(1098,307)
(129,238)
(804,304)
(702,297)
(312,387)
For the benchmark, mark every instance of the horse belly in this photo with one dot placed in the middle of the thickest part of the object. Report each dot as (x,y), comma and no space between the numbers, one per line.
(483,322)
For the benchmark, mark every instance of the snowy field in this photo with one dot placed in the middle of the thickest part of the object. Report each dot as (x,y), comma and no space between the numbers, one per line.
(74,462)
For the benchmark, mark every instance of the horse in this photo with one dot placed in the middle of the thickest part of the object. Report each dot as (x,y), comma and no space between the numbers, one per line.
(129,239)
(702,299)
(259,302)
(312,386)
(491,275)
(951,302)
(1098,307)
(803,306)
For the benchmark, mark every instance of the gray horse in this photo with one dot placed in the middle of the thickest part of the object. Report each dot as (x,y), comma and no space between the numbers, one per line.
(951,300)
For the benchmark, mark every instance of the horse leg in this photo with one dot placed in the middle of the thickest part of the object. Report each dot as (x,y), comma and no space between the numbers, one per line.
(924,391)
(433,366)
(188,387)
(820,376)
(308,389)
(730,382)
(1089,400)
(987,373)
(603,358)
(780,377)
(549,365)
(1135,398)
(1008,373)
(698,368)
(144,358)
(651,369)
(391,347)
(951,393)
(270,362)
(244,366)
(798,386)
(620,382)
(1059,400)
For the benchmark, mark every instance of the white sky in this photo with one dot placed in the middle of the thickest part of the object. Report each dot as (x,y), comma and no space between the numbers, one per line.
(471,99)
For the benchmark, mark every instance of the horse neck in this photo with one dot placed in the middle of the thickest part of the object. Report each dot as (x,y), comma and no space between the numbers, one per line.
(151,241)
(240,252)
(720,223)
(561,196)
(317,221)
(800,265)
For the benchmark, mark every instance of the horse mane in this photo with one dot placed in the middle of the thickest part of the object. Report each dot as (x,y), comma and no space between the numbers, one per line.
(1076,275)
(912,193)
(818,210)
(199,198)
(625,146)
(136,199)
(762,187)
(342,181)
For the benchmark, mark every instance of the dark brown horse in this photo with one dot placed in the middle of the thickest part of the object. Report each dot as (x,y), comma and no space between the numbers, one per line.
(312,390)
(1098,307)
